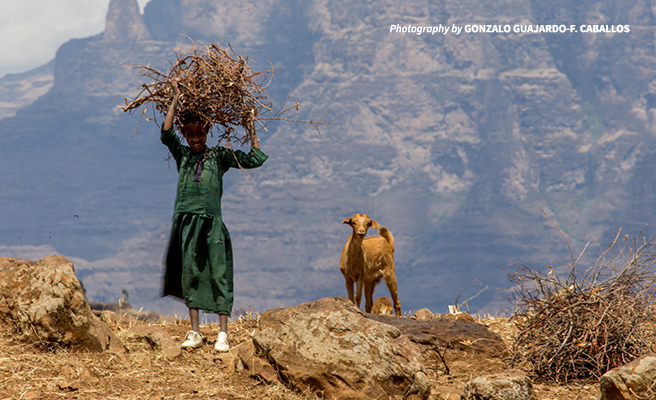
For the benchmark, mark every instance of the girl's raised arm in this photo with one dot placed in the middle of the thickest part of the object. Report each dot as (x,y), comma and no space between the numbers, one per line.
(251,133)
(168,122)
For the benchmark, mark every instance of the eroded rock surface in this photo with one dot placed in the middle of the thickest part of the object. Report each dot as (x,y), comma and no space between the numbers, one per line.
(462,335)
(257,367)
(513,385)
(634,380)
(44,301)
(330,346)
(124,22)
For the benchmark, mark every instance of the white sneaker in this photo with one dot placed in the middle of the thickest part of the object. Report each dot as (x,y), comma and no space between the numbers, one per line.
(222,342)
(192,340)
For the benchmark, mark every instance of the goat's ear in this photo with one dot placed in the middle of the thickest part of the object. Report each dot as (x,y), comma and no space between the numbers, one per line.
(374,224)
(347,221)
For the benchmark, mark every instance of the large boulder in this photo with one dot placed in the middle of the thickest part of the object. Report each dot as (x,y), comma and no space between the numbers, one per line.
(634,380)
(331,347)
(44,302)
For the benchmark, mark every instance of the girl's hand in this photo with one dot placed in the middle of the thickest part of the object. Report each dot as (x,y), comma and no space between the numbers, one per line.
(176,89)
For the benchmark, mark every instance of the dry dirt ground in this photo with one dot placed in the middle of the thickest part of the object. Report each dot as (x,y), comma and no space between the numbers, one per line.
(143,373)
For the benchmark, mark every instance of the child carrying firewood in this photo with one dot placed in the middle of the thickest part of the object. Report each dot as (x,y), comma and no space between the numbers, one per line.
(199,263)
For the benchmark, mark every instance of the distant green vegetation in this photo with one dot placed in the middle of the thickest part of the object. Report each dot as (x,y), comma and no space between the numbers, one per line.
(597,126)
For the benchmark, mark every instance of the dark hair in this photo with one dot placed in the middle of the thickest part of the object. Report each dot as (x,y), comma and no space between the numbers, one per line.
(189,117)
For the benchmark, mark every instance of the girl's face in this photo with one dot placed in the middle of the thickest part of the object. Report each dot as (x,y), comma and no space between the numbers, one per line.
(195,135)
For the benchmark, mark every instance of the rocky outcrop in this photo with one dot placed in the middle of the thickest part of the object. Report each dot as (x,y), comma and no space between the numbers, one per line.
(102,65)
(124,22)
(634,380)
(330,346)
(45,303)
(513,385)
(256,367)
(449,332)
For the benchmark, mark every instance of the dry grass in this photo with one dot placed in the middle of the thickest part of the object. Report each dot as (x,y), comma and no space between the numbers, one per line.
(142,373)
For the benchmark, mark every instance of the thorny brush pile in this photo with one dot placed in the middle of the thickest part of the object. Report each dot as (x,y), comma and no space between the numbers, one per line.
(216,85)
(583,325)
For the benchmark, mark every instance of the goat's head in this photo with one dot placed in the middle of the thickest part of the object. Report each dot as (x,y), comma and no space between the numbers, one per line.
(360,224)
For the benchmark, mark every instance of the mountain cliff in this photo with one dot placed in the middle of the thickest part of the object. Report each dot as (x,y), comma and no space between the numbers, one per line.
(453,142)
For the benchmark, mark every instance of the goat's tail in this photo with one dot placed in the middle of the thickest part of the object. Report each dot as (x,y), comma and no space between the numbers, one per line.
(387,235)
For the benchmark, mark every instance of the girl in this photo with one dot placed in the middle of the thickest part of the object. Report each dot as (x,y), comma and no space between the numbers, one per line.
(199,265)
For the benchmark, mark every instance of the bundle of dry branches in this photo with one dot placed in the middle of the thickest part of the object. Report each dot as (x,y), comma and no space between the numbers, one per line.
(216,85)
(586,324)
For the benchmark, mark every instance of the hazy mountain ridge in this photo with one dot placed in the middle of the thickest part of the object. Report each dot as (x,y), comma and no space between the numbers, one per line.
(20,90)
(452,142)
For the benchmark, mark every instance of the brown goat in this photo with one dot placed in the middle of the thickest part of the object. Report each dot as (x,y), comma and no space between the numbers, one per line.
(365,262)
(382,306)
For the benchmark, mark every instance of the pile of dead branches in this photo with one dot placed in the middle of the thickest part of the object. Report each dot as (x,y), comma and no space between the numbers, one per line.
(583,325)
(218,86)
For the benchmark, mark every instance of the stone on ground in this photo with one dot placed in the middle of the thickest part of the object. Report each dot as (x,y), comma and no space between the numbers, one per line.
(158,339)
(424,315)
(513,385)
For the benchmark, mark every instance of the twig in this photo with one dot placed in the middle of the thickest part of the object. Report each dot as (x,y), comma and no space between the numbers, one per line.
(563,235)
(436,346)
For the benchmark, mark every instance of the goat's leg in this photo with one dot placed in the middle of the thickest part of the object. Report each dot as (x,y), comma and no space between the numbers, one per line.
(390,279)
(369,295)
(349,290)
(358,294)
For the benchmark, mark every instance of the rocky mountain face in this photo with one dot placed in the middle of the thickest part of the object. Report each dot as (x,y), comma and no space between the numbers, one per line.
(453,142)
(20,90)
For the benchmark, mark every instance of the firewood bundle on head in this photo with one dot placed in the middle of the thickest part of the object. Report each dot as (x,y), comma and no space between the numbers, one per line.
(216,85)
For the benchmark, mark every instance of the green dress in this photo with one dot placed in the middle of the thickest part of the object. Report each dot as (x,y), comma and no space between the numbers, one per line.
(199,265)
